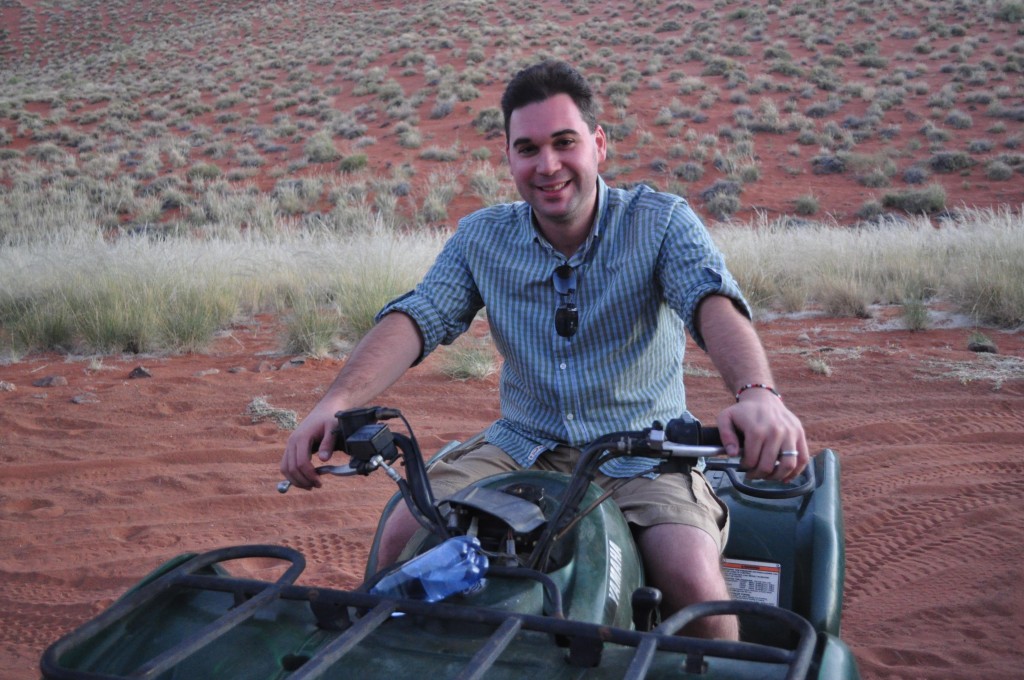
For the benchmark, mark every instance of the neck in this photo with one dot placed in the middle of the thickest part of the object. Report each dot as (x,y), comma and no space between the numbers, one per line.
(566,237)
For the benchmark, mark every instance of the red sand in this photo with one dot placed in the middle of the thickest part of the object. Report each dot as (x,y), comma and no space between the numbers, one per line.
(96,494)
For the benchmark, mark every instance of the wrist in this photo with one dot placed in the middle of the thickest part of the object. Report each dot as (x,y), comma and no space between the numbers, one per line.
(757,388)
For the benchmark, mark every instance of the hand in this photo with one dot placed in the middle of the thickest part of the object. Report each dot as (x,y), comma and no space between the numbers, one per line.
(768,428)
(312,435)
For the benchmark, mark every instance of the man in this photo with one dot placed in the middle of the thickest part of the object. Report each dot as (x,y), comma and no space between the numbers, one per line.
(588,291)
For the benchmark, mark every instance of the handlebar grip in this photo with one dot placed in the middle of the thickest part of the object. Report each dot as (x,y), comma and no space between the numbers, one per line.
(710,436)
(688,431)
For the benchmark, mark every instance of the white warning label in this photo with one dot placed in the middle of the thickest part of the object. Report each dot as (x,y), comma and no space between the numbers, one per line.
(753,581)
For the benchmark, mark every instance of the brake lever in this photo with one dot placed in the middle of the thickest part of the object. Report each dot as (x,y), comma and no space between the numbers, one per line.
(336,470)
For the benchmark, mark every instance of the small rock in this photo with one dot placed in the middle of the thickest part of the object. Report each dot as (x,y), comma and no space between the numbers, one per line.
(50,381)
(983,346)
(265,366)
(237,369)
(209,371)
(7,386)
(140,372)
(293,363)
(86,398)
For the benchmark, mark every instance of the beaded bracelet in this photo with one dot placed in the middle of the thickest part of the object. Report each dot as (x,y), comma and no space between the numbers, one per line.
(759,386)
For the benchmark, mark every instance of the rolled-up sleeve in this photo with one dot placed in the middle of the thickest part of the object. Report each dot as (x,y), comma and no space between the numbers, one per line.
(691,267)
(444,303)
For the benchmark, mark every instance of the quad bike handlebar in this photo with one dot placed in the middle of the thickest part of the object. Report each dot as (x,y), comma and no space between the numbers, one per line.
(683,441)
(678,446)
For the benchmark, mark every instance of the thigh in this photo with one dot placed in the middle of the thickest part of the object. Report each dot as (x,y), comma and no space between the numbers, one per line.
(463,467)
(675,499)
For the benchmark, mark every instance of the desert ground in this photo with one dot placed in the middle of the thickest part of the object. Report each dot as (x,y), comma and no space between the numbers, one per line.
(151,109)
(107,476)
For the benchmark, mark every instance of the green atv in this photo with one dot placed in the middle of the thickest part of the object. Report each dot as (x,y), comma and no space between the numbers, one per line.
(547,583)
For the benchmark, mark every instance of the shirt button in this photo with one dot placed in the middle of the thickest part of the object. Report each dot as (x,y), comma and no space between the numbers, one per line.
(562,365)
(568,416)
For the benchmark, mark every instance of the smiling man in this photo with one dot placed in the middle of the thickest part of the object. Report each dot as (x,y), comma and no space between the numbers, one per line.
(554,157)
(589,292)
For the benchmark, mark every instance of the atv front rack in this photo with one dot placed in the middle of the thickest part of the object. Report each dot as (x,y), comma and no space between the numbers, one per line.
(190,616)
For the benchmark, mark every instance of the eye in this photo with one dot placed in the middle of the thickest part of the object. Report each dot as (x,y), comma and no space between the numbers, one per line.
(526,150)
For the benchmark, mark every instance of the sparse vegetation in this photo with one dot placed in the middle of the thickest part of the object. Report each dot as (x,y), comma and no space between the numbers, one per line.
(806,205)
(469,358)
(819,366)
(931,199)
(156,293)
(915,314)
(115,134)
(975,263)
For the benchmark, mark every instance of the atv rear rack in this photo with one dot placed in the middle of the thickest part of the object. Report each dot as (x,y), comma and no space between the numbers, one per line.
(347,618)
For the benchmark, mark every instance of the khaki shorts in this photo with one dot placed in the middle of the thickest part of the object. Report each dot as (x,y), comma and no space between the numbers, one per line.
(669,499)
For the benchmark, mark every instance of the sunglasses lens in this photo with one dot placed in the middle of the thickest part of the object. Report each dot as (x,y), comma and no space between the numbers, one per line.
(567,320)
(564,280)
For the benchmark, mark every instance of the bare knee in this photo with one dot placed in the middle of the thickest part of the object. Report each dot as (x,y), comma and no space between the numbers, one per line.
(684,563)
(398,529)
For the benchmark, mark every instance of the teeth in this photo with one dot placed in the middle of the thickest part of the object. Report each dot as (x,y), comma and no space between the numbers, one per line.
(556,187)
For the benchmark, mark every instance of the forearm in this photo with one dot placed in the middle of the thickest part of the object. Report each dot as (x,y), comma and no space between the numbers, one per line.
(383,355)
(768,426)
(732,343)
(377,362)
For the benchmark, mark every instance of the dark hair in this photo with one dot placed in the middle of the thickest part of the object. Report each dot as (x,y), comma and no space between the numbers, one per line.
(546,79)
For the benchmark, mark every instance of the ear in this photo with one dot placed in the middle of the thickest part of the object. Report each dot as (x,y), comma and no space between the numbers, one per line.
(602,144)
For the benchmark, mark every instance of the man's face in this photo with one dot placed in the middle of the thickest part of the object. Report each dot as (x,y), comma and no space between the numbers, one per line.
(554,160)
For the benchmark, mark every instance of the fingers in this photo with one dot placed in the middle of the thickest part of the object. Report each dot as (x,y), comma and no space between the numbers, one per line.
(761,447)
(727,433)
(769,429)
(296,464)
(800,460)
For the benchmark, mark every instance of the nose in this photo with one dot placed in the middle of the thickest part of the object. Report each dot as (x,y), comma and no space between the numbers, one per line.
(547,161)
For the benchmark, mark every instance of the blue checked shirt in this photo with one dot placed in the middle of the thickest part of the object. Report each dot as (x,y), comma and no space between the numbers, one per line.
(640,275)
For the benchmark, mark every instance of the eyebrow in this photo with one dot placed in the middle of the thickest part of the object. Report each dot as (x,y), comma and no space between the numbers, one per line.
(554,135)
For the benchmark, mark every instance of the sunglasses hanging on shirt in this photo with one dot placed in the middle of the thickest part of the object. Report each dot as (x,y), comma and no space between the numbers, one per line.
(567,317)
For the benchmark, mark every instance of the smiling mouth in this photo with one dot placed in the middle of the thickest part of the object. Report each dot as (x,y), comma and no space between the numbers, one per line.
(554,188)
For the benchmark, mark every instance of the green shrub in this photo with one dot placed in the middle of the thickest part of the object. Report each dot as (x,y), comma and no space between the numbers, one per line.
(931,199)
(320,149)
(436,153)
(723,206)
(409,138)
(353,163)
(998,171)
(689,172)
(442,108)
(806,205)
(915,174)
(870,211)
(828,164)
(1010,11)
(959,120)
(915,315)
(489,121)
(722,198)
(950,161)
(203,171)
